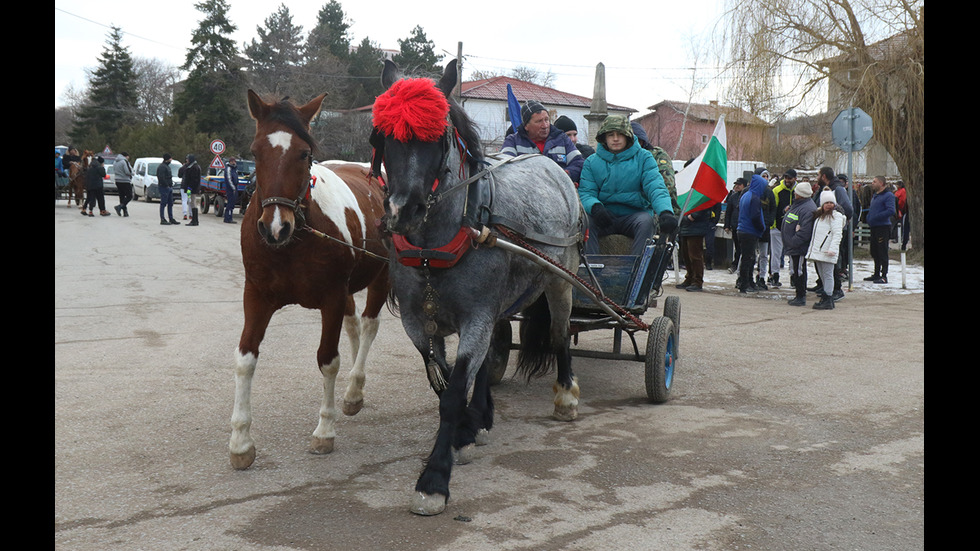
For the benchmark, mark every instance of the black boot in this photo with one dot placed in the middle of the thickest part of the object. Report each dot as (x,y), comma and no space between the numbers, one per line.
(193,221)
(826,303)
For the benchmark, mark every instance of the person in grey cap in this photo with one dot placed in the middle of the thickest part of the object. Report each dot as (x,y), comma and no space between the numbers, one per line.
(537,135)
(796,230)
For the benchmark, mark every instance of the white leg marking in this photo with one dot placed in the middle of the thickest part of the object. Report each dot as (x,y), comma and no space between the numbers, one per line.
(241,417)
(326,428)
(354,396)
(566,401)
(353,329)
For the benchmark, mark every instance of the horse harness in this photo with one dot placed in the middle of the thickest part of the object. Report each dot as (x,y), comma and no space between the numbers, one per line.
(478,216)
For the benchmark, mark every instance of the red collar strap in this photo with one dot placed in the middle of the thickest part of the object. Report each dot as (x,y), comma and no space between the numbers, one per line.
(443,257)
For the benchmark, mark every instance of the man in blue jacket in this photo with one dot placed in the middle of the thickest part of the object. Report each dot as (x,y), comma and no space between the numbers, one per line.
(880,221)
(538,135)
(751,226)
(621,189)
(231,189)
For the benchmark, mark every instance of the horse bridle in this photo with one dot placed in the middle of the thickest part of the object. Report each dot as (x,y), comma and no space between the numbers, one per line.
(294,204)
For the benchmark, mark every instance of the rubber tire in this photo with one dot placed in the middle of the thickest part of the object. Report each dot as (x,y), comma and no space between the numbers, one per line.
(660,359)
(205,204)
(499,351)
(672,310)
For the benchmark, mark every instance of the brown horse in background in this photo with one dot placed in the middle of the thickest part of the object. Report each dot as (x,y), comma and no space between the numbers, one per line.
(76,178)
(310,237)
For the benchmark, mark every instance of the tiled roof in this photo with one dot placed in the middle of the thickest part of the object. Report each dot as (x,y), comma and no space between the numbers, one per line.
(710,112)
(496,89)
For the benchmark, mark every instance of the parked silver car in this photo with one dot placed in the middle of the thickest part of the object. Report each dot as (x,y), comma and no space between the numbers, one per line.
(109,181)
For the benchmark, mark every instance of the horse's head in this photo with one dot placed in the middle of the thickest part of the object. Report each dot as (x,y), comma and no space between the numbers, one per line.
(283,150)
(411,137)
(87,158)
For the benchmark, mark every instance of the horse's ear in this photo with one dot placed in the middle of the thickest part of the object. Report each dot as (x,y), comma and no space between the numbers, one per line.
(389,74)
(311,109)
(256,107)
(448,80)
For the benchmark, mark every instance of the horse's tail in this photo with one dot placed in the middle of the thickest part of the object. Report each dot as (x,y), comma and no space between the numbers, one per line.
(538,355)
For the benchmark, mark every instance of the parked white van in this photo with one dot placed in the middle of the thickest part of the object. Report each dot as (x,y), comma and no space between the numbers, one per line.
(145,178)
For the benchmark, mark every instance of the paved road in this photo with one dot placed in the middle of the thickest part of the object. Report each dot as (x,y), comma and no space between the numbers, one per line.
(788,428)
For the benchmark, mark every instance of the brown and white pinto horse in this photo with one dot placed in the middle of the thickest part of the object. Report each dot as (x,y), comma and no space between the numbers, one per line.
(318,269)
(76,178)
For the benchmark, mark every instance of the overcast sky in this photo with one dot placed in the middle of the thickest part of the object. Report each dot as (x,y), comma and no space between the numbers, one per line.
(646,46)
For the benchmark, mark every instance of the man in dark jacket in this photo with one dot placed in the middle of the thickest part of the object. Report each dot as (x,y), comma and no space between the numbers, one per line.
(231,190)
(94,187)
(731,218)
(537,135)
(694,226)
(880,215)
(190,184)
(568,126)
(797,229)
(165,183)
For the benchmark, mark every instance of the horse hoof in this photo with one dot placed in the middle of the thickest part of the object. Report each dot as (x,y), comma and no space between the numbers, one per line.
(321,446)
(242,461)
(464,455)
(482,437)
(351,408)
(428,505)
(565,413)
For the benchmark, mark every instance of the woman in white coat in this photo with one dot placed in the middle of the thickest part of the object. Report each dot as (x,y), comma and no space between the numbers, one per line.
(828,229)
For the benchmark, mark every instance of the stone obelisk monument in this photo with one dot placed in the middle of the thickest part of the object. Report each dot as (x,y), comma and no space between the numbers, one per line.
(598,111)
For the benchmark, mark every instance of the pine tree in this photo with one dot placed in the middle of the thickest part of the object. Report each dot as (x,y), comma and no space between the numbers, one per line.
(331,34)
(417,55)
(112,98)
(275,57)
(214,92)
(366,62)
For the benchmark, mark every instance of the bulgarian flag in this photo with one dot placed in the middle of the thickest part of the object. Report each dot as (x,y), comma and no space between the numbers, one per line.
(703,183)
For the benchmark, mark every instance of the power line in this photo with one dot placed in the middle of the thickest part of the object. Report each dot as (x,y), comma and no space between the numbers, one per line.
(120,29)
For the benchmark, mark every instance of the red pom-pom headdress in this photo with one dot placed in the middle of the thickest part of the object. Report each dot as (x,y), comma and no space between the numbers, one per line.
(412,109)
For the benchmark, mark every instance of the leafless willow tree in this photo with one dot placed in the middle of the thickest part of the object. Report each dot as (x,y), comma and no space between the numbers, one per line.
(861,53)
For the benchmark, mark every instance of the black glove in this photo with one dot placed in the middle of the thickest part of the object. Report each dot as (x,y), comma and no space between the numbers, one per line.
(668,222)
(601,216)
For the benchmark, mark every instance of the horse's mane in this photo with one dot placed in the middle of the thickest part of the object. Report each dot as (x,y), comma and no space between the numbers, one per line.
(285,113)
(469,133)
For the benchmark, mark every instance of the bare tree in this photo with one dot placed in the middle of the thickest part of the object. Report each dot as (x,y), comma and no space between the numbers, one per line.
(155,82)
(861,53)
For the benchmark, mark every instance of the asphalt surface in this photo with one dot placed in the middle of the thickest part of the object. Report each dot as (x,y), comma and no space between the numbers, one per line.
(788,428)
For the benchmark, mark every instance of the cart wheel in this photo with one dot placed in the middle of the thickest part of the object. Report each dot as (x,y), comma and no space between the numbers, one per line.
(661,355)
(219,204)
(205,204)
(499,350)
(672,310)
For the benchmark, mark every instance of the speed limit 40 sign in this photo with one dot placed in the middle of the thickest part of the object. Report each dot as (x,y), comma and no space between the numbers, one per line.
(217,147)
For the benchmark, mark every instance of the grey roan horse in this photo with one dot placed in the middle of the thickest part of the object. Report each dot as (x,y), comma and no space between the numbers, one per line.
(446,280)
